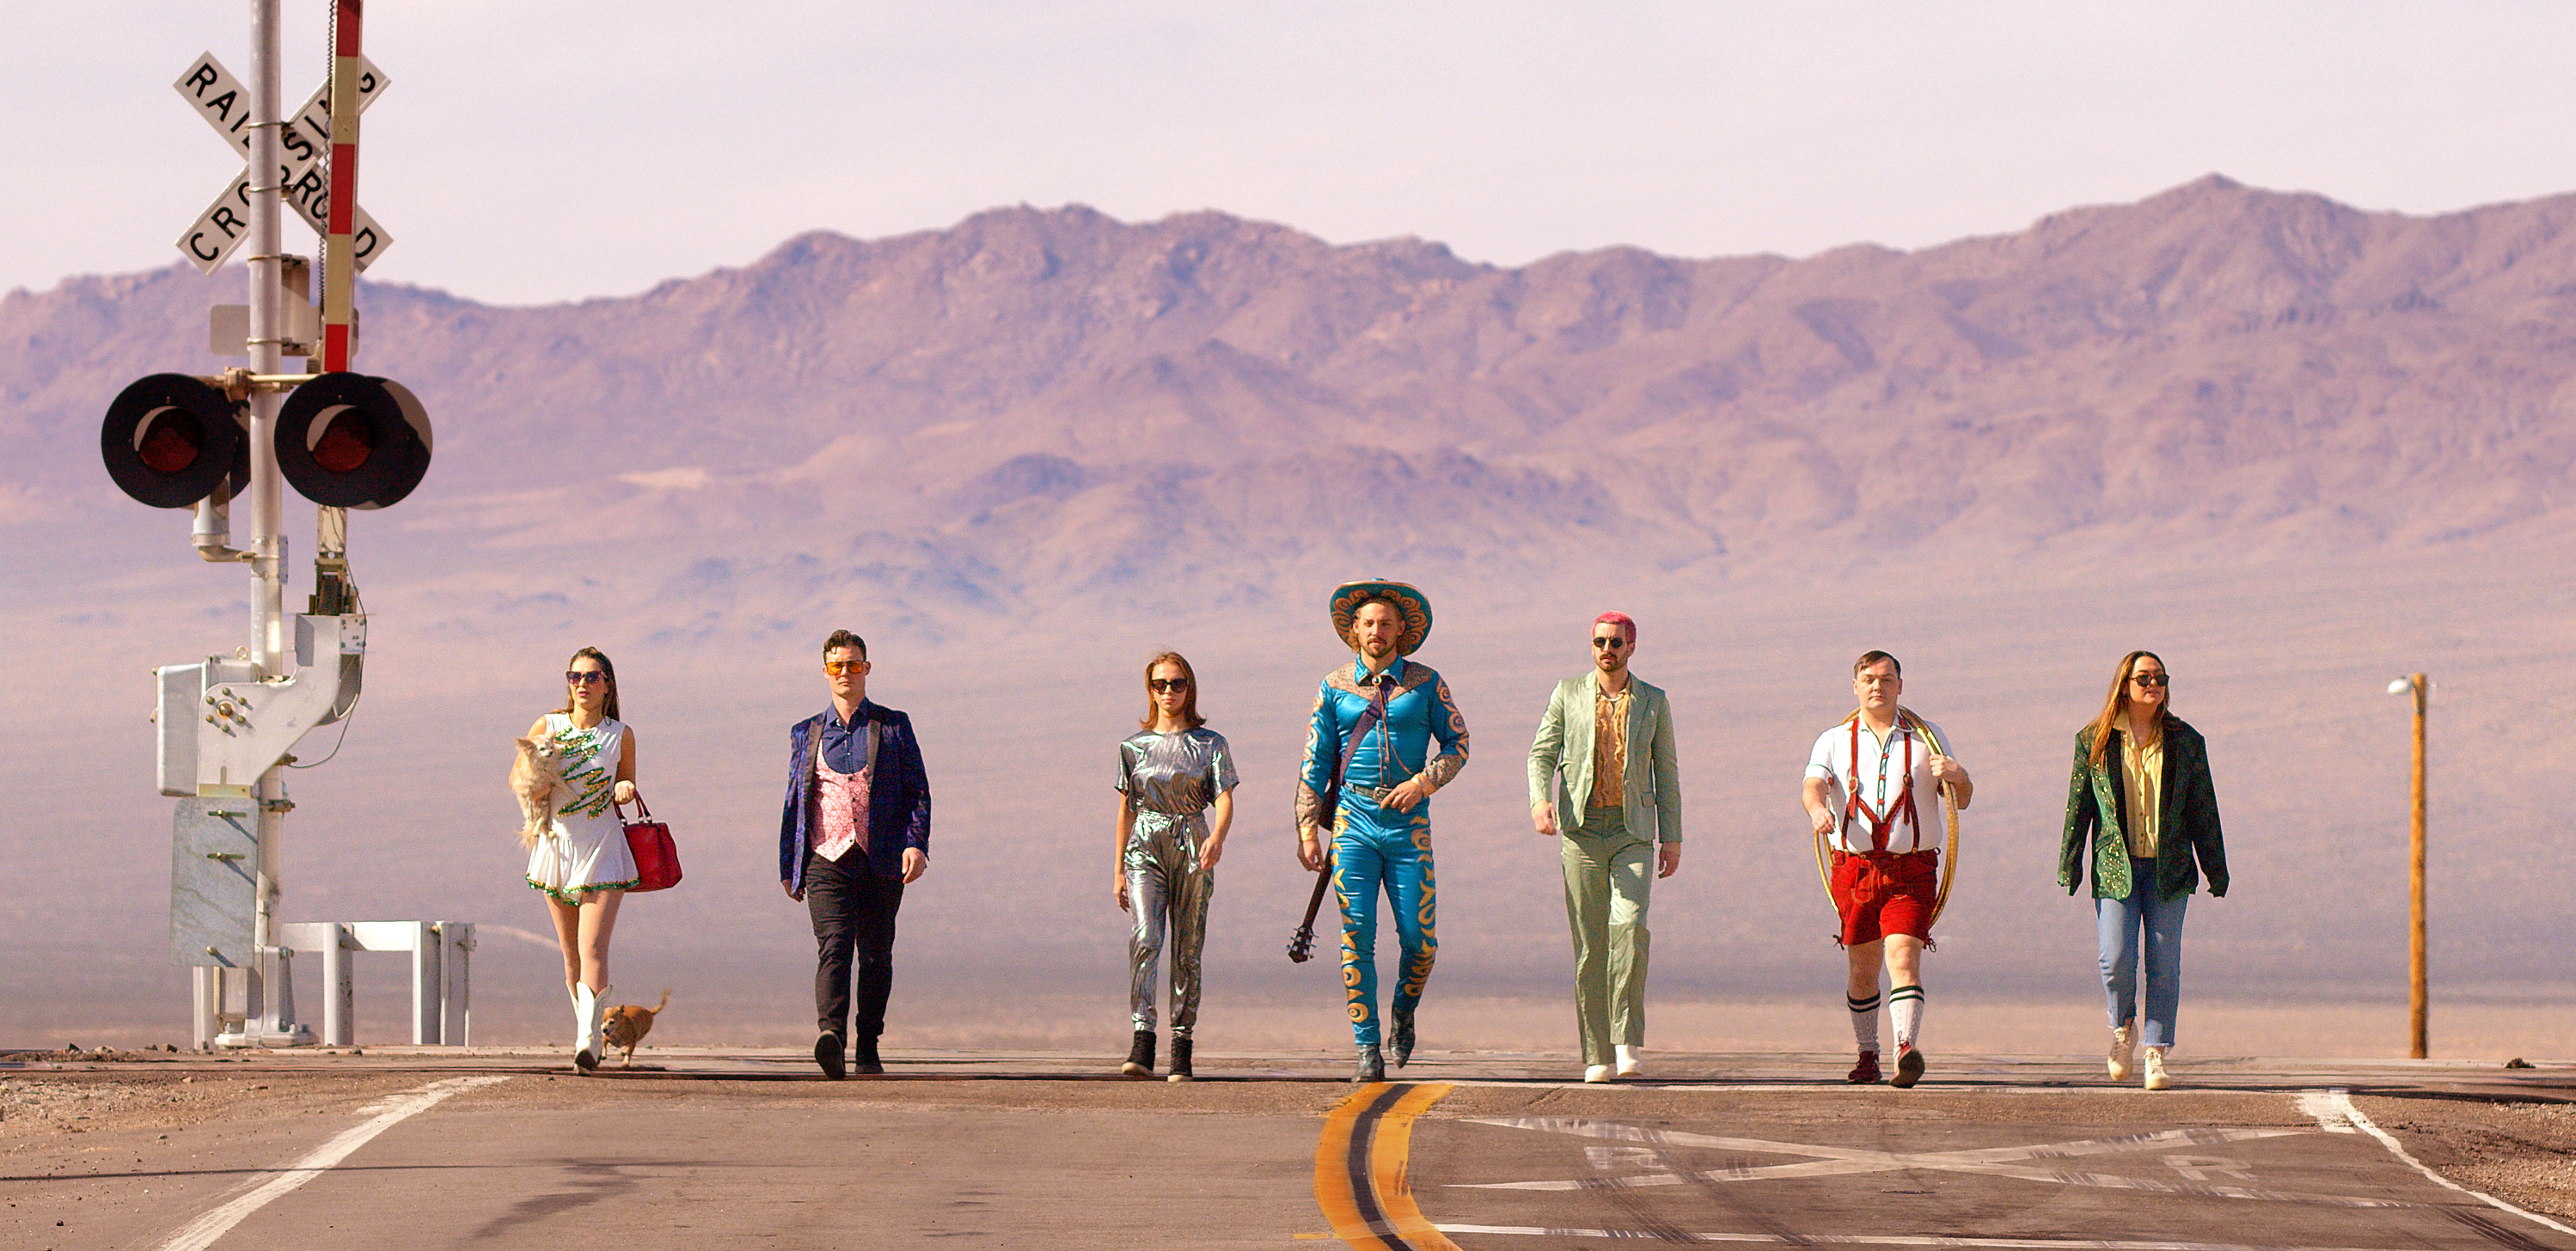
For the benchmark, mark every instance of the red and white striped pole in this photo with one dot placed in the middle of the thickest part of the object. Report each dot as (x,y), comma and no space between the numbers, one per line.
(339,250)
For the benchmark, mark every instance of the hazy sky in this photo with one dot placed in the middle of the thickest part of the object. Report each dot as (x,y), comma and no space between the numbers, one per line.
(531,152)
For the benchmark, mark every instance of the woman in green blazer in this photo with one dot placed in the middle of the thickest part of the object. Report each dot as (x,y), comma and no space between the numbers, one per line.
(2141,801)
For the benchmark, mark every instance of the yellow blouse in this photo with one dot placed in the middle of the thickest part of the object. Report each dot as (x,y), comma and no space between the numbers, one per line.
(2142,772)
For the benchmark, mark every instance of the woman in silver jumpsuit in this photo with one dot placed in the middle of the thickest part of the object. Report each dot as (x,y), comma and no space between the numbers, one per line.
(1172,776)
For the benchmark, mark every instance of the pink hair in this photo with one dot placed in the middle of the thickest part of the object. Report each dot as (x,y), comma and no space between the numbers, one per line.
(1621,620)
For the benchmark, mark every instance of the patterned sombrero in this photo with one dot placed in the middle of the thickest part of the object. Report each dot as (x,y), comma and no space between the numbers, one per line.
(1412,603)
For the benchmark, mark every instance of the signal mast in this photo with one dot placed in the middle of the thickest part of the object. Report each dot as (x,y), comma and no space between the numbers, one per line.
(228,723)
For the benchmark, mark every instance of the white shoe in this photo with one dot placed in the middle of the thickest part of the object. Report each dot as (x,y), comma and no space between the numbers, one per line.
(2156,1079)
(1597,1073)
(594,1007)
(1628,1059)
(2124,1048)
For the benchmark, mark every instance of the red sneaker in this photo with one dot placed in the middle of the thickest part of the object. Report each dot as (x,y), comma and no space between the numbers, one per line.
(1866,1072)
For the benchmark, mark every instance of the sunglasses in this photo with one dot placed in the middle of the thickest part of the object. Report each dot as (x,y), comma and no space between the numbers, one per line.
(2150,679)
(1611,641)
(1161,685)
(579,677)
(838,667)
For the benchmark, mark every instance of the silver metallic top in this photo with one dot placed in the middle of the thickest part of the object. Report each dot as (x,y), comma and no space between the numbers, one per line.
(1174,775)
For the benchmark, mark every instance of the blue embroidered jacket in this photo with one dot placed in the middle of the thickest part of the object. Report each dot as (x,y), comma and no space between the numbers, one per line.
(1420,713)
(898,795)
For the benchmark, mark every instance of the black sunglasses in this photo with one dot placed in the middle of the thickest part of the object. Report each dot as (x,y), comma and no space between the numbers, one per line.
(1168,684)
(2150,679)
(578,677)
(1609,640)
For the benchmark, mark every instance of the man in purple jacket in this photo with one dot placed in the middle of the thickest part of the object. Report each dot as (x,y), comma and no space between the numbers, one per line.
(856,829)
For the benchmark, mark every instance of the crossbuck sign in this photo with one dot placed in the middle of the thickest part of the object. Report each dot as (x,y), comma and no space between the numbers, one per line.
(303,142)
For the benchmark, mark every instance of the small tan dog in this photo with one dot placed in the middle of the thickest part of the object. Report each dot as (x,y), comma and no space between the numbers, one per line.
(536,777)
(628,1024)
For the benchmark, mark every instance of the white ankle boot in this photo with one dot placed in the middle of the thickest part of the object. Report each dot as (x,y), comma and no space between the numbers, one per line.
(2124,1049)
(1630,1061)
(592,1007)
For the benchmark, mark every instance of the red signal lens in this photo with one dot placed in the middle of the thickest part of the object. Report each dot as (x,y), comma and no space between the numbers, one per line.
(345,444)
(172,440)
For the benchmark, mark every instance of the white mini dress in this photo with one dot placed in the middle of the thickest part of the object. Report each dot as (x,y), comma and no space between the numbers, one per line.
(584,848)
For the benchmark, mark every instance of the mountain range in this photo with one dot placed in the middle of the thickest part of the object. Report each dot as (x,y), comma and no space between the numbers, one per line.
(2315,443)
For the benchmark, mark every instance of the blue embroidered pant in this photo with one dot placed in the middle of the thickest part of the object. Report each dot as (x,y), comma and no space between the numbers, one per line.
(2120,924)
(1387,850)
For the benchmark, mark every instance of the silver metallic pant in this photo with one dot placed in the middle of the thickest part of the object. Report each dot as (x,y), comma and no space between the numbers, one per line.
(1166,888)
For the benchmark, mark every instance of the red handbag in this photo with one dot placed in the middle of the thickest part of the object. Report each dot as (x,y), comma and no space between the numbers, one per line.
(657,858)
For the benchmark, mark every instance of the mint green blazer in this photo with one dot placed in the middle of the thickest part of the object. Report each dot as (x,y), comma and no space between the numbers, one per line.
(1652,804)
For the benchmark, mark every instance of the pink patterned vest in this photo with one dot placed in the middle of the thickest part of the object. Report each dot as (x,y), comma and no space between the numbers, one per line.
(841,803)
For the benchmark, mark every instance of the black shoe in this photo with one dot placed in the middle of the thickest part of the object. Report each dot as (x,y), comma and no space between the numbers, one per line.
(1400,1038)
(1140,1055)
(868,1061)
(1181,1059)
(1909,1068)
(827,1052)
(1372,1066)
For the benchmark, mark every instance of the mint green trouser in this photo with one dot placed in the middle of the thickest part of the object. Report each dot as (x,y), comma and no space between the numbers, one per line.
(1608,874)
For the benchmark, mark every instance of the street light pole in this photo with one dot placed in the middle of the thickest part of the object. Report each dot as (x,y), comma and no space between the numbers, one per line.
(2415,993)
(2421,688)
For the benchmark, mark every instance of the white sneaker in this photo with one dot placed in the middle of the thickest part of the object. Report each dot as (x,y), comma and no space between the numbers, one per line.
(1629,1064)
(2156,1079)
(1597,1073)
(2124,1048)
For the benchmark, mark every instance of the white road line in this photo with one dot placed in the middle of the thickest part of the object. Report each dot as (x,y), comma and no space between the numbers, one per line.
(2338,1103)
(1895,1240)
(1991,1161)
(202,1232)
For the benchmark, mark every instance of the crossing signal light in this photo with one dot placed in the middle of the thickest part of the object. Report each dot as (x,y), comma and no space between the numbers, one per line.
(347,440)
(171,439)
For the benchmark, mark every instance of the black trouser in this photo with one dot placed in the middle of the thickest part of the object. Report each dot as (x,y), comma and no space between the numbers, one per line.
(853,910)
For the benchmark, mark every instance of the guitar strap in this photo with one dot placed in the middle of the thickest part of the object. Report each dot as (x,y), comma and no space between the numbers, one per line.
(1370,718)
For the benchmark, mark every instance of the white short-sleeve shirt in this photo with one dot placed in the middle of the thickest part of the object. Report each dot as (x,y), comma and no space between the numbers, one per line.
(1882,782)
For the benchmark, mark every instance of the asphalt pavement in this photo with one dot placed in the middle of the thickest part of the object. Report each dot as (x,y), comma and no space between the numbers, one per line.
(694,1148)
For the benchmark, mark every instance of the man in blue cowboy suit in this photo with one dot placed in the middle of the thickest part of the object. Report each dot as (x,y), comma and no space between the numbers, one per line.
(855,832)
(1370,773)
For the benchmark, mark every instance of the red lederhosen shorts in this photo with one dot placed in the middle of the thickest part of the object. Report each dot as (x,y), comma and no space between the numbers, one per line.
(1885,893)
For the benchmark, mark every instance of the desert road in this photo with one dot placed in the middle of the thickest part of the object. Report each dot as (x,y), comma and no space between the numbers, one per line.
(698,1148)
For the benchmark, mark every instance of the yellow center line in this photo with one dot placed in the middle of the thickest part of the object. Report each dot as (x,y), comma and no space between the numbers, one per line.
(1362,1163)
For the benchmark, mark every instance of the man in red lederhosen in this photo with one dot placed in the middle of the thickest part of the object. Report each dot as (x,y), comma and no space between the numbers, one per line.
(1872,785)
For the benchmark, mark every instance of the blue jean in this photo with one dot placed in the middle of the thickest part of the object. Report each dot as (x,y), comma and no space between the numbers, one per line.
(2122,923)
(1391,853)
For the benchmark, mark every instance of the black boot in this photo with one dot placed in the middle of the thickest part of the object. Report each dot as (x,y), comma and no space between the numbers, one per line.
(1140,1055)
(868,1061)
(1400,1038)
(1372,1066)
(829,1053)
(1181,1059)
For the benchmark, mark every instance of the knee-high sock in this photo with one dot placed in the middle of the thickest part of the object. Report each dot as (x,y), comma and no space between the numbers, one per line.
(1905,1012)
(1864,1021)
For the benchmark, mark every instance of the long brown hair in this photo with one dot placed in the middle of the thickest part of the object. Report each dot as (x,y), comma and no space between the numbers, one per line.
(2115,707)
(1189,702)
(607,705)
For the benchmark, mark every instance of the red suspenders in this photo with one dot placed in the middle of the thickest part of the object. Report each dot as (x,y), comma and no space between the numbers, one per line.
(1902,809)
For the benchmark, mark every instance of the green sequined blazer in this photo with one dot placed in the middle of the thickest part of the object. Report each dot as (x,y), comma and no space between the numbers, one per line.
(2187,830)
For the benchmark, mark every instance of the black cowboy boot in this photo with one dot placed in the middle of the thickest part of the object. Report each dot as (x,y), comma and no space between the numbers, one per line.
(1400,1036)
(1140,1055)
(1181,1059)
(1372,1065)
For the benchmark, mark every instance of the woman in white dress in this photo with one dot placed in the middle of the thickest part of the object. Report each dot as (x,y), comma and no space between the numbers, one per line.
(582,865)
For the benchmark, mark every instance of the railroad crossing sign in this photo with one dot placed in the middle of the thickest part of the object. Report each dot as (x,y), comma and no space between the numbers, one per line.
(303,142)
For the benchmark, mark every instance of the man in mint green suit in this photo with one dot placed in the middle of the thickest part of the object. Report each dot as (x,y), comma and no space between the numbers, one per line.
(1606,783)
